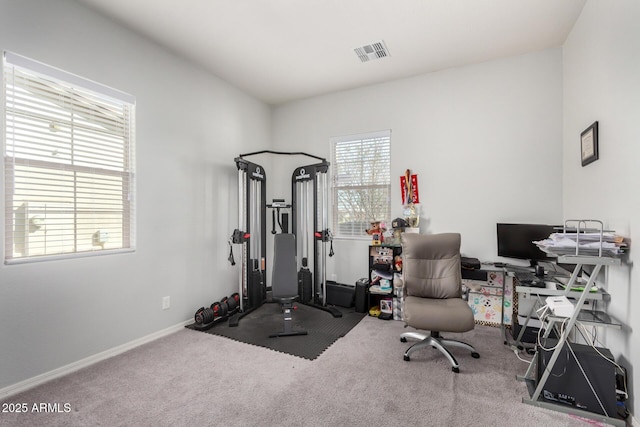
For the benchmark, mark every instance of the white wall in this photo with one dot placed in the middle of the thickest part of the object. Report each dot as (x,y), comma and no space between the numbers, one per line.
(485,141)
(190,126)
(601,82)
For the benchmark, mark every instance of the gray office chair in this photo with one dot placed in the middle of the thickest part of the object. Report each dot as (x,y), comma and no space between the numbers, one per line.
(433,300)
(284,283)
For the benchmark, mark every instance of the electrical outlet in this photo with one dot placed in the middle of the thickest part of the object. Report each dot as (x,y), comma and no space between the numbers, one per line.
(166,303)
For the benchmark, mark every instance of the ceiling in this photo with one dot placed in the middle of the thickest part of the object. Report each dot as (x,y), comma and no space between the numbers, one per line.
(284,50)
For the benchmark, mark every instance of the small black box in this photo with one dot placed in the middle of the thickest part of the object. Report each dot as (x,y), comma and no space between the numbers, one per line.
(340,294)
(361,295)
(530,334)
(474,274)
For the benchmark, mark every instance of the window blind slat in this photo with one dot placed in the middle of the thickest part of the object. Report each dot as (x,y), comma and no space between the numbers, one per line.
(69,163)
(361,184)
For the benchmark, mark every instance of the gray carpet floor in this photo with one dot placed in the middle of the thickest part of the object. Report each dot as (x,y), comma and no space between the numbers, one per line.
(191,378)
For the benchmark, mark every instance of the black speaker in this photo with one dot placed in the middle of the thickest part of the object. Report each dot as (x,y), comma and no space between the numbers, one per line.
(361,295)
(567,384)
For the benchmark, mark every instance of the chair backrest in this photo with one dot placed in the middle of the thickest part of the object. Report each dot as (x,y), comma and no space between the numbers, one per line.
(284,280)
(431,265)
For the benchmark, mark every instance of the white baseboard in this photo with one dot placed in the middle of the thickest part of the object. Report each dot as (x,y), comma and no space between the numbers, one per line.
(83,363)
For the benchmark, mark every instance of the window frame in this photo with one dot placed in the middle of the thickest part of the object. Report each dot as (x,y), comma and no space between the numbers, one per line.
(77,91)
(385,137)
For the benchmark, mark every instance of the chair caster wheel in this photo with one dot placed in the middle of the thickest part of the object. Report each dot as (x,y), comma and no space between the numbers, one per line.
(475,355)
(456,370)
(403,339)
(406,358)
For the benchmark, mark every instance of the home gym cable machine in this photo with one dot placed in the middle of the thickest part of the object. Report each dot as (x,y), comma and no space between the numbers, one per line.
(252,185)
(309,206)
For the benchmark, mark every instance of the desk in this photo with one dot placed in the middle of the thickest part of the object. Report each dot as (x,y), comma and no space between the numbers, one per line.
(553,288)
(527,297)
(492,295)
(537,385)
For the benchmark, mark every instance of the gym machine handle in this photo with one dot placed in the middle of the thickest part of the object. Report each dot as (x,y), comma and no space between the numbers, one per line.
(237,237)
(325,236)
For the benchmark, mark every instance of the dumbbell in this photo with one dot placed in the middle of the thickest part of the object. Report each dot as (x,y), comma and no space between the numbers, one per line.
(204,316)
(220,309)
(233,302)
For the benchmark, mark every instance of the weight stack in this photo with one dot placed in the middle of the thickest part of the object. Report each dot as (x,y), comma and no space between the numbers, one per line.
(305,285)
(257,291)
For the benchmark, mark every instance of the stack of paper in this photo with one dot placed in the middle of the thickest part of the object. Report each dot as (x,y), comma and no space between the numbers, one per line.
(594,244)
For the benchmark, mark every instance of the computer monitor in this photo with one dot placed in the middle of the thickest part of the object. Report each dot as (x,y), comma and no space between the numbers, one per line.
(516,241)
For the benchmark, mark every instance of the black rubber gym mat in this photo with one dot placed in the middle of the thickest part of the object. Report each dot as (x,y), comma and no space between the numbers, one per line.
(322,329)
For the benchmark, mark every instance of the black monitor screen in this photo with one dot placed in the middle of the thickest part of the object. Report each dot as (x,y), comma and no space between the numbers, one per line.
(515,241)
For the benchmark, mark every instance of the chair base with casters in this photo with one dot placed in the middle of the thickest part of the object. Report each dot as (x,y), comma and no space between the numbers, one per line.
(438,342)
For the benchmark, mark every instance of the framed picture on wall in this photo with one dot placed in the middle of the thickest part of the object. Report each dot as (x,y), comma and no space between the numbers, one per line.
(589,144)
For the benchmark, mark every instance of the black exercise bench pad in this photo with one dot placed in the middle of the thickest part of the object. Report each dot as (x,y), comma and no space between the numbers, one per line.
(323,329)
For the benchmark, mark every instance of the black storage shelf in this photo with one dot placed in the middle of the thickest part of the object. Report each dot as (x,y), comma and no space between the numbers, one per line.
(381,267)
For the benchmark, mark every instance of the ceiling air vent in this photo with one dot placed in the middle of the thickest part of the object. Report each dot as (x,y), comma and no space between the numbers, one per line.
(372,51)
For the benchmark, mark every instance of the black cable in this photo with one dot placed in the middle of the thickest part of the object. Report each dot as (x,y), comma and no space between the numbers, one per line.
(230,258)
(273,220)
(330,236)
(279,222)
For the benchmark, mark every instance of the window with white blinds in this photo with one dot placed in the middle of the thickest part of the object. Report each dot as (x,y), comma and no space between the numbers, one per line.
(361,182)
(68,164)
